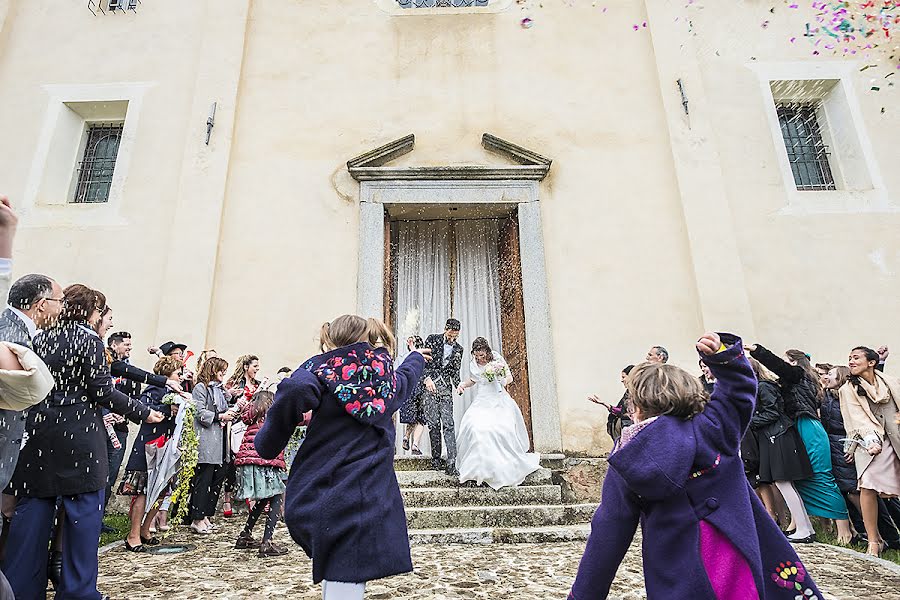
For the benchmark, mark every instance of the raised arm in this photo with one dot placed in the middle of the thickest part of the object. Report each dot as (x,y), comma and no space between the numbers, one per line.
(612,530)
(120,368)
(787,373)
(100,387)
(731,403)
(408,375)
(299,393)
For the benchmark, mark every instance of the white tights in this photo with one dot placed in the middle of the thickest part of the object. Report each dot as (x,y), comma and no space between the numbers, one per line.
(336,590)
(798,511)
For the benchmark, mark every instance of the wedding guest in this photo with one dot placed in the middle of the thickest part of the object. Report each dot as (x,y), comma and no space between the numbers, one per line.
(129,380)
(259,480)
(870,406)
(412,413)
(34,302)
(677,472)
(29,304)
(802,392)
(239,389)
(354,390)
(65,456)
(134,482)
(657,354)
(204,356)
(618,417)
(782,455)
(706,378)
(210,419)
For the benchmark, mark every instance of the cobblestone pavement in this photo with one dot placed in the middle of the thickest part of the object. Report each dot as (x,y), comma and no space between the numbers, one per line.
(511,572)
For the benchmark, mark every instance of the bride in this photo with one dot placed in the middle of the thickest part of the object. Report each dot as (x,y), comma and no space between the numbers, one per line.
(492,441)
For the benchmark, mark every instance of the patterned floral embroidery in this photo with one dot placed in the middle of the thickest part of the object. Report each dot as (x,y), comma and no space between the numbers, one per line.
(360,381)
(790,576)
(702,472)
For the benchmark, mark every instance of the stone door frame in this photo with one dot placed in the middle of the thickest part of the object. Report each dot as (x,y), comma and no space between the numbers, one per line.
(376,196)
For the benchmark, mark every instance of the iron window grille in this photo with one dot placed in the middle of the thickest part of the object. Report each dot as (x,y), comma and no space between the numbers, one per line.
(441,3)
(95,171)
(102,6)
(806,150)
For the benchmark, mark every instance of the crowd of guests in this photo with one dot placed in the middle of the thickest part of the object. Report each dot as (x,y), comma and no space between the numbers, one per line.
(823,441)
(67,394)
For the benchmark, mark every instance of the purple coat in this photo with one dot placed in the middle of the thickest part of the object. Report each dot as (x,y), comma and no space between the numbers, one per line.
(343,504)
(706,536)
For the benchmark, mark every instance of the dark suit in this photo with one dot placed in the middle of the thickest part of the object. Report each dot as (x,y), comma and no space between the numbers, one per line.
(12,422)
(439,406)
(65,456)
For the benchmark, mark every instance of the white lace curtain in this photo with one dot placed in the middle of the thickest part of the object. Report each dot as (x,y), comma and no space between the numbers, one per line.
(428,252)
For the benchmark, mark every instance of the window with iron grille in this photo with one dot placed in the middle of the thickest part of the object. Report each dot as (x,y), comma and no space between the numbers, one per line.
(95,171)
(441,3)
(806,151)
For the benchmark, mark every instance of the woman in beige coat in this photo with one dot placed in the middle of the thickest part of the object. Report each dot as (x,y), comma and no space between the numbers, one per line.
(870,406)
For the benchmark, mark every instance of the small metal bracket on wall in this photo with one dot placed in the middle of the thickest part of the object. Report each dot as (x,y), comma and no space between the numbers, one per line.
(210,122)
(684,100)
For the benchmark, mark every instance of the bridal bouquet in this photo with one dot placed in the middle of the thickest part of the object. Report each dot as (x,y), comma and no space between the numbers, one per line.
(495,371)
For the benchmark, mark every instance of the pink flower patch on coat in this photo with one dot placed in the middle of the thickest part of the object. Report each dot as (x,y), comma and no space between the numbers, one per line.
(348,371)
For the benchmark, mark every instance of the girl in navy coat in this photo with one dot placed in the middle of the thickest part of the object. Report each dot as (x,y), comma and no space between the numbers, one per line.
(677,471)
(343,505)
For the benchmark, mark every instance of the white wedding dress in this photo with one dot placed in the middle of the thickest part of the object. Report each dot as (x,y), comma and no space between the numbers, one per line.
(492,442)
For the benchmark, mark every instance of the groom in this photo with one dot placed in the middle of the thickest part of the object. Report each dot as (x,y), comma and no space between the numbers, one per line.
(441,380)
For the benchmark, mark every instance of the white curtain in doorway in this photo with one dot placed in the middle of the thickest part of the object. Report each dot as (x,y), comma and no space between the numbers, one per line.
(425,252)
(423,276)
(476,294)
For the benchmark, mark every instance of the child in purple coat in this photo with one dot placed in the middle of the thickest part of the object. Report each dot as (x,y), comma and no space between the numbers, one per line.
(343,504)
(678,472)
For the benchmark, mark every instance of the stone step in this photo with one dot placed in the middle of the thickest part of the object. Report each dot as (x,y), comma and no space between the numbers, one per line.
(434,479)
(531,515)
(423,463)
(514,535)
(418,497)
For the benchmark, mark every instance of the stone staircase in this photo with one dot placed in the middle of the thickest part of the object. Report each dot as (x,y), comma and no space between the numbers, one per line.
(441,511)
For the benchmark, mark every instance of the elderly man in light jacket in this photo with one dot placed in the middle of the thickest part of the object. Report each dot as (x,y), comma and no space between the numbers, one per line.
(24,378)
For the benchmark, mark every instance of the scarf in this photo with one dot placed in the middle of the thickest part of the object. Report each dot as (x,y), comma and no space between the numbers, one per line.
(879,393)
(630,432)
(859,420)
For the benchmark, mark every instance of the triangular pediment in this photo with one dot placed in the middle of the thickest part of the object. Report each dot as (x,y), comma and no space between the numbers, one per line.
(373,164)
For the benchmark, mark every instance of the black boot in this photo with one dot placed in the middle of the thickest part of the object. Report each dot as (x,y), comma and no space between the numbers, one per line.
(54,568)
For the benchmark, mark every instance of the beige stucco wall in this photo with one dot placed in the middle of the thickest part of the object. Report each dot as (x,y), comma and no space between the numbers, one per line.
(248,245)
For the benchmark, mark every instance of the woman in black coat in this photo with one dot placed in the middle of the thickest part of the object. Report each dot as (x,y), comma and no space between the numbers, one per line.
(782,455)
(65,456)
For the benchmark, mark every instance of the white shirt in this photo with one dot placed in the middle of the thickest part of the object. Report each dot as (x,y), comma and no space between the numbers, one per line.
(29,324)
(448,350)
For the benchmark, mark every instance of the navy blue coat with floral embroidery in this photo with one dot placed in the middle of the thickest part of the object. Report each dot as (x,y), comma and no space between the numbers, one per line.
(683,481)
(343,504)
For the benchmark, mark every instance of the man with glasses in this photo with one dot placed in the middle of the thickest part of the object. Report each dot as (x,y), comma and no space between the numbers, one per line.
(35,302)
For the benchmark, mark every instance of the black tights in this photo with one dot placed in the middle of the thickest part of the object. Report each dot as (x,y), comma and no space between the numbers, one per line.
(274,504)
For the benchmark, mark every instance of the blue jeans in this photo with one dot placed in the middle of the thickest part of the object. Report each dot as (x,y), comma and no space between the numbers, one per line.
(116,456)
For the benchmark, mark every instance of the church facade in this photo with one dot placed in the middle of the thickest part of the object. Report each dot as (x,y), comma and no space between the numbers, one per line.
(233,174)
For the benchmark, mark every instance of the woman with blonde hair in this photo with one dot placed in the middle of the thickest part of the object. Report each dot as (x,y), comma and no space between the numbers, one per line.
(870,406)
(343,505)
